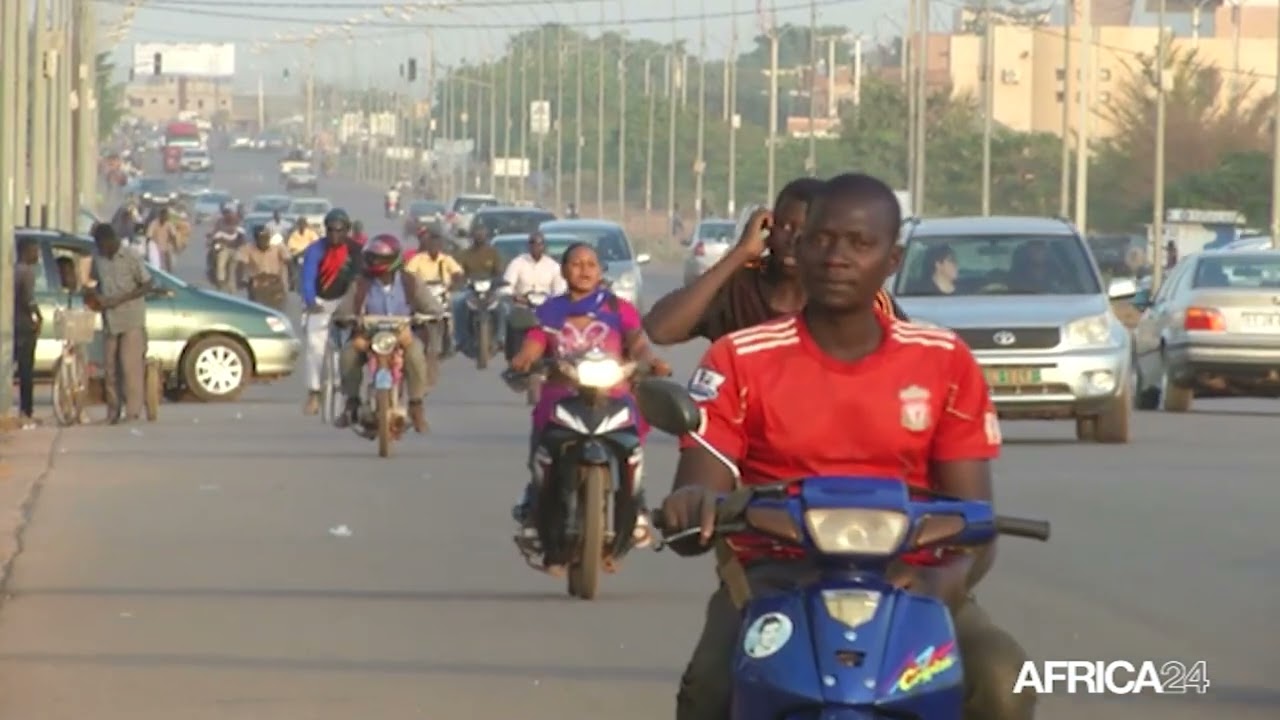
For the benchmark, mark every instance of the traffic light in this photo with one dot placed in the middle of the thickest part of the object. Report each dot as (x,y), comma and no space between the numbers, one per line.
(155,64)
(413,70)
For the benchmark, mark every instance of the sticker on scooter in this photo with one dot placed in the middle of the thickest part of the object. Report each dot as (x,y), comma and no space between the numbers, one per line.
(767,635)
(382,379)
(924,668)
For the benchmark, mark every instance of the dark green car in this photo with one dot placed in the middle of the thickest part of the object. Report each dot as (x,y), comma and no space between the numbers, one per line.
(208,344)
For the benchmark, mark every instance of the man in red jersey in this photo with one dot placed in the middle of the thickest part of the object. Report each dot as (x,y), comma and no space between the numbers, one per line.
(778,401)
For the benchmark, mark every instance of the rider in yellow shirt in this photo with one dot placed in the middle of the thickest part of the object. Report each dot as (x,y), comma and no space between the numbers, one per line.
(431,264)
(301,238)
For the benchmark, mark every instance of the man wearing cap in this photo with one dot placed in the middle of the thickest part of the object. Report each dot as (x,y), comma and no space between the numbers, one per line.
(431,264)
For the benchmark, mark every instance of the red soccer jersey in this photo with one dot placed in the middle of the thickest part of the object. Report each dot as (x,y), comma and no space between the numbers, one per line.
(776,408)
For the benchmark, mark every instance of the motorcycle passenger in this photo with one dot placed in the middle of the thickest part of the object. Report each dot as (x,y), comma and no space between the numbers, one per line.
(432,264)
(776,400)
(481,261)
(743,288)
(263,269)
(329,268)
(586,316)
(393,199)
(385,290)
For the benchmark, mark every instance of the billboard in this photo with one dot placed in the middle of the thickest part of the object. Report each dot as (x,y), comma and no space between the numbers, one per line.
(191,59)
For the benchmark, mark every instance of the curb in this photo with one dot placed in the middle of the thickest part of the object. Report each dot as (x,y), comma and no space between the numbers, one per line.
(19,493)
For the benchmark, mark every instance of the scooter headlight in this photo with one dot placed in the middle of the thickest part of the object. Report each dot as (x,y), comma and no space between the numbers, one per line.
(599,373)
(537,298)
(482,286)
(854,531)
(383,343)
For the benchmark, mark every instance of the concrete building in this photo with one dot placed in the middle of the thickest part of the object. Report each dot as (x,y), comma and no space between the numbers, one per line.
(159,99)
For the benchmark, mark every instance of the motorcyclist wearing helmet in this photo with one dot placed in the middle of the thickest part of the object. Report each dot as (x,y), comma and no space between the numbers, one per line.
(227,232)
(385,289)
(330,266)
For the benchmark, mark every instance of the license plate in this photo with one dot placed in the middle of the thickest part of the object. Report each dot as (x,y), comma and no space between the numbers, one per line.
(1266,322)
(382,379)
(1012,376)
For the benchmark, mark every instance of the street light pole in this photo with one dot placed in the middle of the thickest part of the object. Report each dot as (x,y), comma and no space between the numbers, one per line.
(1064,182)
(542,98)
(922,109)
(40,119)
(559,117)
(506,129)
(1157,194)
(1275,155)
(651,91)
(988,102)
(579,138)
(731,202)
(600,119)
(700,167)
(811,162)
(772,150)
(624,76)
(671,120)
(13,72)
(1085,83)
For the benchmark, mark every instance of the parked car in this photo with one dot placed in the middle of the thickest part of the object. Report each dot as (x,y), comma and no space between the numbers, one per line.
(463,207)
(195,160)
(1026,295)
(209,204)
(1211,330)
(501,220)
(208,344)
(303,178)
(622,265)
(270,203)
(709,242)
(313,209)
(422,211)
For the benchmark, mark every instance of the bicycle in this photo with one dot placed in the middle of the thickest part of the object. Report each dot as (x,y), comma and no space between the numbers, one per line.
(75,328)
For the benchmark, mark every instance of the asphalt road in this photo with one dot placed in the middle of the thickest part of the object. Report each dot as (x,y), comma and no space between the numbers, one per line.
(189,568)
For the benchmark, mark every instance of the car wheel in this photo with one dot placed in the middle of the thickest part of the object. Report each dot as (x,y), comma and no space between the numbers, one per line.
(216,369)
(1173,397)
(1112,426)
(1086,429)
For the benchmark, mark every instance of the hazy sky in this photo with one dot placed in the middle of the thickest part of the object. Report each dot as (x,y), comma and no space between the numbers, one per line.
(465,29)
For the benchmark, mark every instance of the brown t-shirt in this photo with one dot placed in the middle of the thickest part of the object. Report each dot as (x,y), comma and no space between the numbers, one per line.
(743,302)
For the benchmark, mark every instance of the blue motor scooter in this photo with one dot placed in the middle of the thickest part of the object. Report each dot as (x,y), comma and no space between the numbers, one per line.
(848,645)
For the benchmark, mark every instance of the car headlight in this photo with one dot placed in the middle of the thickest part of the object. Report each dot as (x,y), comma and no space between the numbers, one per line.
(1094,330)
(278,324)
(854,531)
(482,286)
(625,281)
(383,342)
(599,374)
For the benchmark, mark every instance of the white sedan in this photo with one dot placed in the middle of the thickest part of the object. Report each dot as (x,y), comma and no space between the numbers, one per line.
(313,209)
(710,241)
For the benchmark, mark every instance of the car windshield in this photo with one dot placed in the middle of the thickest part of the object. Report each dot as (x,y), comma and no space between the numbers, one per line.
(213,198)
(609,243)
(470,205)
(514,221)
(1239,272)
(426,208)
(996,265)
(153,185)
(271,204)
(309,208)
(721,231)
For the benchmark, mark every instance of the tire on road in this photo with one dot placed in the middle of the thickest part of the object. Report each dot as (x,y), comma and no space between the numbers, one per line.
(584,570)
(1112,426)
(216,369)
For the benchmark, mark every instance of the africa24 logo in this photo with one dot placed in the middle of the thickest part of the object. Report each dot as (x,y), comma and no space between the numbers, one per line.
(924,667)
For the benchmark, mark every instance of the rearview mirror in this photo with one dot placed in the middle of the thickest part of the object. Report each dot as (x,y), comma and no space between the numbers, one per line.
(667,406)
(1122,287)
(643,258)
(1141,299)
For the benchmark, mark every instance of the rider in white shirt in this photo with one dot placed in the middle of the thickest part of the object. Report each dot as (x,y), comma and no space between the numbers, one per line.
(534,271)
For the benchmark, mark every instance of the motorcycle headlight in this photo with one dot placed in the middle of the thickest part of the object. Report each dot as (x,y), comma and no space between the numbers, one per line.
(625,281)
(1094,330)
(482,286)
(601,374)
(383,343)
(854,531)
(537,298)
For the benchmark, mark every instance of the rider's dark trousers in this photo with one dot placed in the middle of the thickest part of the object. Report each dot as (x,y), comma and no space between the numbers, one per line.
(991,657)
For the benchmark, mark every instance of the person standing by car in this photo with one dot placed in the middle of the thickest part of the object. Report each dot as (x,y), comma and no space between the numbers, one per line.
(27,322)
(329,267)
(119,290)
(263,269)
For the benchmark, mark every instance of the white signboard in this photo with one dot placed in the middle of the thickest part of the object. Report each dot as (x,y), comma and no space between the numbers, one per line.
(540,117)
(201,60)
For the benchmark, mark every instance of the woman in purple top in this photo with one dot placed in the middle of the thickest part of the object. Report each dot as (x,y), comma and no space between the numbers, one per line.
(588,316)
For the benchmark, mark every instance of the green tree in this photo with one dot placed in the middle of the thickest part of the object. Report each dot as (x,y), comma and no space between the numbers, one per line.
(1241,182)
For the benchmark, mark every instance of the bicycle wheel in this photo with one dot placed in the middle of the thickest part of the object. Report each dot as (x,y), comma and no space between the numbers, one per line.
(68,389)
(331,401)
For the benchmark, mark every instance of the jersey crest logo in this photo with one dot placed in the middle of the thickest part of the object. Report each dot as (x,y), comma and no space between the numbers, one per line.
(705,384)
(916,415)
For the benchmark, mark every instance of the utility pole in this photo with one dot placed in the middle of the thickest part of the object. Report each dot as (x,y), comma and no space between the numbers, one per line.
(699,164)
(506,130)
(20,189)
(13,73)
(600,119)
(60,189)
(1275,155)
(86,157)
(1085,83)
(922,110)
(1064,190)
(909,53)
(542,103)
(579,138)
(772,152)
(648,162)
(1157,194)
(671,120)
(40,120)
(493,126)
(732,200)
(311,93)
(523,165)
(988,101)
(623,77)
(464,119)
(559,118)
(811,162)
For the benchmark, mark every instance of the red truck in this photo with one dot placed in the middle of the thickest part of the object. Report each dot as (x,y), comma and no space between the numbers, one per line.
(177,137)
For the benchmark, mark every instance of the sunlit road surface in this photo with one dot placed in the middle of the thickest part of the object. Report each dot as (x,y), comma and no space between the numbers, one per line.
(187,569)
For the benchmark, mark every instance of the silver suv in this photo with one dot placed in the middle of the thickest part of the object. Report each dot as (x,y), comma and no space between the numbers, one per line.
(1027,297)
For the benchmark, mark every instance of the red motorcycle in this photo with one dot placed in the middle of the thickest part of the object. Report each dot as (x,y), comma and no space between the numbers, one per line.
(384,411)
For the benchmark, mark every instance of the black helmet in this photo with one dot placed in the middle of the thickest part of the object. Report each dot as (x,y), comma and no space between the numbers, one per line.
(337,216)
